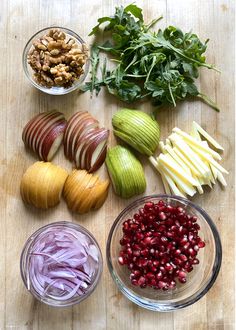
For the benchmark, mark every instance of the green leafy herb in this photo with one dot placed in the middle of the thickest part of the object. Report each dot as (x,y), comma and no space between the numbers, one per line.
(160,65)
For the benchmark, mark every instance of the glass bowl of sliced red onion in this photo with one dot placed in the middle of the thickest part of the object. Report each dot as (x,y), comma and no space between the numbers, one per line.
(61,264)
(164,252)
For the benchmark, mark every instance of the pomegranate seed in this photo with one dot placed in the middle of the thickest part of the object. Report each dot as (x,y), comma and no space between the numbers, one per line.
(121,260)
(159,245)
(195,261)
(148,206)
(183,257)
(201,244)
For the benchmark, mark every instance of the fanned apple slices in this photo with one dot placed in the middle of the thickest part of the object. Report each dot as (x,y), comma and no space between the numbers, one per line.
(84,191)
(42,184)
(84,142)
(44,134)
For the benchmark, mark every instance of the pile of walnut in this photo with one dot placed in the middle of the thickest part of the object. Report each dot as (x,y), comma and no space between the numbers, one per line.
(56,59)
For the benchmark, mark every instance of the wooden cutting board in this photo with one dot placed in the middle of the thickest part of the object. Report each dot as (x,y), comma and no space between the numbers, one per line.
(107,308)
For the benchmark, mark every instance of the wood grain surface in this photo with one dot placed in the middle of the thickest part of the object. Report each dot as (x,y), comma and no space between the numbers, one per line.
(106,308)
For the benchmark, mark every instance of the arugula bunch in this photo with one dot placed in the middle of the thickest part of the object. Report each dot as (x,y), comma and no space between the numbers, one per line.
(161,65)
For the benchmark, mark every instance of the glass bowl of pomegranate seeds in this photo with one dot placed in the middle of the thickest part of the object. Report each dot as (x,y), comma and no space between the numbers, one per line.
(164,252)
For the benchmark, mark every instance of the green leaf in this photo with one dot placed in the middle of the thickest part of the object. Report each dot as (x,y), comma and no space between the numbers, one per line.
(135,11)
(100,21)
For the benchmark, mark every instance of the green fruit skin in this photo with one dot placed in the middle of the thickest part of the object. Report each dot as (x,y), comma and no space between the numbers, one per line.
(126,172)
(137,129)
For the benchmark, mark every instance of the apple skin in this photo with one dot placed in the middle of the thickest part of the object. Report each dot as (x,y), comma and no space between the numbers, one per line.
(32,126)
(102,137)
(81,129)
(55,133)
(42,131)
(69,129)
(74,129)
(82,124)
(82,145)
(38,128)
(100,160)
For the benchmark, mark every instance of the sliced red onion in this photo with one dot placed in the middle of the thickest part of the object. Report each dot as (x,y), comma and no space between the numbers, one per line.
(62,263)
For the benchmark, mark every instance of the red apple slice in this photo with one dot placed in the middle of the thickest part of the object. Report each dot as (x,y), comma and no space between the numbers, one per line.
(95,153)
(32,126)
(69,128)
(90,140)
(52,141)
(100,160)
(83,126)
(73,130)
(82,142)
(38,126)
(42,137)
(43,129)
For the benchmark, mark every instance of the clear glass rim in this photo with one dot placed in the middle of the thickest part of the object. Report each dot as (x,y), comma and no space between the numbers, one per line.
(47,90)
(159,305)
(80,228)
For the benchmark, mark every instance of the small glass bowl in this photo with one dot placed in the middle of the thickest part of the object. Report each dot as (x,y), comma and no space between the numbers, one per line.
(199,281)
(25,264)
(55,90)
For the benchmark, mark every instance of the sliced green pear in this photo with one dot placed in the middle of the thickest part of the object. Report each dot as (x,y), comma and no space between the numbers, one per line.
(137,129)
(126,172)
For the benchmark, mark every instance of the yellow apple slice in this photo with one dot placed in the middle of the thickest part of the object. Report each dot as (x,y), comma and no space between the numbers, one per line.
(101,192)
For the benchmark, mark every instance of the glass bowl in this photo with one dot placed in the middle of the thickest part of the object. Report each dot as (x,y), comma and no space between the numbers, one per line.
(199,280)
(55,90)
(45,293)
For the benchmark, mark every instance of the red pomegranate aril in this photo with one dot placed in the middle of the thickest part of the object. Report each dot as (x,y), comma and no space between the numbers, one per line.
(148,206)
(153,282)
(182,279)
(136,253)
(156,263)
(159,275)
(183,257)
(192,252)
(168,267)
(162,284)
(161,228)
(201,244)
(162,216)
(160,244)
(195,261)
(121,260)
(152,251)
(134,282)
(189,269)
(181,274)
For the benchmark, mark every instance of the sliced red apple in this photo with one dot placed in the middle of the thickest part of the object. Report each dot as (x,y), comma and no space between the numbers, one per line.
(39,127)
(81,125)
(95,150)
(89,140)
(42,131)
(33,125)
(41,137)
(100,160)
(82,145)
(70,127)
(80,130)
(52,142)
